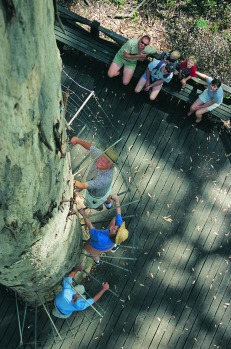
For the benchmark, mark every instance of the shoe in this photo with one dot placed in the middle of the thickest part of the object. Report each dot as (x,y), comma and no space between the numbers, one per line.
(108,206)
(227,124)
(114,249)
(98,262)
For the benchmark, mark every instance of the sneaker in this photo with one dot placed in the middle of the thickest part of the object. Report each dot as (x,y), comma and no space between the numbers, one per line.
(114,249)
(98,262)
(108,206)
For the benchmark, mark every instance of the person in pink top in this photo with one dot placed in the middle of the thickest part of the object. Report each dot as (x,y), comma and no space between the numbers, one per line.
(187,71)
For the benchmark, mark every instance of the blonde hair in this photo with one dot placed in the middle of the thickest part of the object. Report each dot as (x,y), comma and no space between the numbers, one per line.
(192,58)
(175,54)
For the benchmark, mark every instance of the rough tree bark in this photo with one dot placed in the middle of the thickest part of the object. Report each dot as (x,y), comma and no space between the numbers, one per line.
(39,242)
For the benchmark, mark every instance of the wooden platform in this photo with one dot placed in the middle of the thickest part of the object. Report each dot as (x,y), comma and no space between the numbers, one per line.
(177,295)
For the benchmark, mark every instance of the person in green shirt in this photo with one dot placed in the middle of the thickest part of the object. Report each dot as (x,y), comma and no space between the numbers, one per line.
(132,51)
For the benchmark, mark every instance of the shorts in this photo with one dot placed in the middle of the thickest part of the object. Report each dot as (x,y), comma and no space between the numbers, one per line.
(204,97)
(120,61)
(87,246)
(56,312)
(93,202)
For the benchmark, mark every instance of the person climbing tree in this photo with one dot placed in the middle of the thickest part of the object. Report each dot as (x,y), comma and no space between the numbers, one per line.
(100,176)
(107,239)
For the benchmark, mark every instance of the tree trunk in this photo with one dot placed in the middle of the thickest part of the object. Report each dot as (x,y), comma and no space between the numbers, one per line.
(39,242)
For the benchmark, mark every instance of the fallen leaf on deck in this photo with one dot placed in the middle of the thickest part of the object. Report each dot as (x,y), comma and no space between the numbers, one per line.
(168,219)
(129,148)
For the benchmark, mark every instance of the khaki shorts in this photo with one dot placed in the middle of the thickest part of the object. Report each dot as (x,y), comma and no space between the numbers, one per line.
(93,202)
(120,62)
(58,314)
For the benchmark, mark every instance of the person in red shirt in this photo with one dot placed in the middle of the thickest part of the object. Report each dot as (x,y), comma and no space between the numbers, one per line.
(187,71)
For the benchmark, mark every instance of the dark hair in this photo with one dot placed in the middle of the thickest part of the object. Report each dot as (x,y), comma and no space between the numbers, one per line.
(147,37)
(216,82)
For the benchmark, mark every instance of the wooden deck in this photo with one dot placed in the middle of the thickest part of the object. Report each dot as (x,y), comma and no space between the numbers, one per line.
(177,295)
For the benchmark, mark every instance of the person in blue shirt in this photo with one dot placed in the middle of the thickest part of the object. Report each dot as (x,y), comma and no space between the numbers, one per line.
(70,299)
(208,100)
(154,76)
(105,240)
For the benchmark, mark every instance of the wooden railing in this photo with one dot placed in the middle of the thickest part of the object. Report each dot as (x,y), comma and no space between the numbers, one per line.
(102,44)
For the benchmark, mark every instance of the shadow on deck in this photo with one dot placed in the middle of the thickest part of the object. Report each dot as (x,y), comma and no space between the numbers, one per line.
(178,294)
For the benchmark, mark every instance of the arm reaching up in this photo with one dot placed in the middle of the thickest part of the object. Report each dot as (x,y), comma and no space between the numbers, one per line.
(117,203)
(86,219)
(105,287)
(76,140)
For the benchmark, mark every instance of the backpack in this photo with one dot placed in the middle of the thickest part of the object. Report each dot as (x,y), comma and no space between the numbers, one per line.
(158,68)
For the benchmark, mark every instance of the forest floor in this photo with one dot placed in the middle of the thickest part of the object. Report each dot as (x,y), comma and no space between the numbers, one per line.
(201,28)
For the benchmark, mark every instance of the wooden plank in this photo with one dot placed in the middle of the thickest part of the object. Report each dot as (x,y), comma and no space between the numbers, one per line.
(118,331)
(155,287)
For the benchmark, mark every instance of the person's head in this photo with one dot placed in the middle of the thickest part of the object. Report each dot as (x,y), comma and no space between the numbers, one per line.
(103,163)
(174,56)
(107,160)
(191,61)
(80,289)
(168,68)
(143,42)
(113,231)
(215,84)
(118,234)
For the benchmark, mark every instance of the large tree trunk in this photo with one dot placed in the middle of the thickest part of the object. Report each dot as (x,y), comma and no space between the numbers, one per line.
(39,243)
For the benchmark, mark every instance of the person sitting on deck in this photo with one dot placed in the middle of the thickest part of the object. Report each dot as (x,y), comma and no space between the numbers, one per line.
(107,239)
(70,299)
(100,176)
(208,100)
(187,71)
(155,75)
(132,51)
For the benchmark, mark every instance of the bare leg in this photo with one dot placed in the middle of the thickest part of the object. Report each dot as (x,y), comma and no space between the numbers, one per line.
(140,85)
(114,70)
(195,104)
(155,91)
(199,114)
(92,251)
(127,75)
